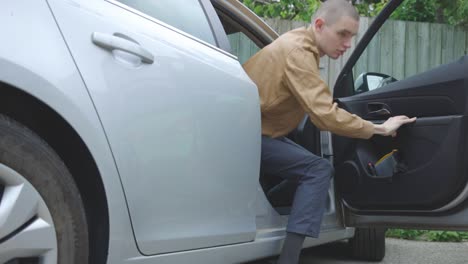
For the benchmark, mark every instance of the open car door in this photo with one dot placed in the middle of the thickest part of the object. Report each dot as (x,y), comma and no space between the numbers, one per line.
(427,183)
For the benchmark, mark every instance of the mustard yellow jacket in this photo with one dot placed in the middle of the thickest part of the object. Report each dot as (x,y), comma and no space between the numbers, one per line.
(287,75)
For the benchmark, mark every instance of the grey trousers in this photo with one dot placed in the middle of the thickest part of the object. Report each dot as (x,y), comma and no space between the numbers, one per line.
(283,158)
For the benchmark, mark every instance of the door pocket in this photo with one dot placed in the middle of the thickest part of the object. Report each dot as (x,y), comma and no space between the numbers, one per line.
(387,166)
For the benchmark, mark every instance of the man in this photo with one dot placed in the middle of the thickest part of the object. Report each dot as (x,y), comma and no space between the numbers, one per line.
(286,73)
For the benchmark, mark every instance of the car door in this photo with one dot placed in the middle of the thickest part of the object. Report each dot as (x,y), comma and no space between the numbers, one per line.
(180,114)
(427,186)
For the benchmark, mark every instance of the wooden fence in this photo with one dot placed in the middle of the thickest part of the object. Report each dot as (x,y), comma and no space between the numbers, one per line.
(399,49)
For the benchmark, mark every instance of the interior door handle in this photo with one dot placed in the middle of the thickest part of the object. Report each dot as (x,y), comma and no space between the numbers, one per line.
(123,43)
(379,113)
(378,110)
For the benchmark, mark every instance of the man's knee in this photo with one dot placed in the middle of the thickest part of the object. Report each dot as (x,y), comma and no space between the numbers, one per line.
(322,167)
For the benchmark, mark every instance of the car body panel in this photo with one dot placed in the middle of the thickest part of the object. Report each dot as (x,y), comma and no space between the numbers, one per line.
(184,130)
(239,253)
(35,60)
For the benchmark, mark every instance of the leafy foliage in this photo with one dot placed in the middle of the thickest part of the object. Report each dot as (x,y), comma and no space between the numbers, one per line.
(446,236)
(440,236)
(284,9)
(405,234)
(370,8)
(454,12)
(416,10)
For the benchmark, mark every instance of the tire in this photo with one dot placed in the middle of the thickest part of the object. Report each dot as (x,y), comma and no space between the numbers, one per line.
(368,244)
(49,220)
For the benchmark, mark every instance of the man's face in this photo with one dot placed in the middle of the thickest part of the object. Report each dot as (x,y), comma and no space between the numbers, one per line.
(334,39)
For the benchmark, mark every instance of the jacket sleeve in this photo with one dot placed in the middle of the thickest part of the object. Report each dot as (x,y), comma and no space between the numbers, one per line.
(303,79)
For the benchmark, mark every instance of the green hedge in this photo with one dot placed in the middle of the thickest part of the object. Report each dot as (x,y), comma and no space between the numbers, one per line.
(427,235)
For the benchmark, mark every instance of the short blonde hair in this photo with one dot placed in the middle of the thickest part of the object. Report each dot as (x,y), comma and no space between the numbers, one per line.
(332,10)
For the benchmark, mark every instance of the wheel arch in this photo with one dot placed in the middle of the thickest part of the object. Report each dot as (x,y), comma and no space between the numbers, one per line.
(59,134)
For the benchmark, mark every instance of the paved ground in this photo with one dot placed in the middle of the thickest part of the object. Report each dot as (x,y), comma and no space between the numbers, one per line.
(397,252)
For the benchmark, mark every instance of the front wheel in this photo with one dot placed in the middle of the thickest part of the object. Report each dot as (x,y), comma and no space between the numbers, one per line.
(368,244)
(42,218)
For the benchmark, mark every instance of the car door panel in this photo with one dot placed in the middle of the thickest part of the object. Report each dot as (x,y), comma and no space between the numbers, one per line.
(437,92)
(428,186)
(432,148)
(183,122)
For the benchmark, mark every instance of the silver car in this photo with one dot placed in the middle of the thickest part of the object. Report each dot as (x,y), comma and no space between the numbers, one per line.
(130,133)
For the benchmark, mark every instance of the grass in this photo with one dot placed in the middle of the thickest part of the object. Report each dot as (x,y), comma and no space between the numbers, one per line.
(428,235)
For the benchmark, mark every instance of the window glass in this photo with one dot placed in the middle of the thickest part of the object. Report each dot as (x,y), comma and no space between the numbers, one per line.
(240,42)
(186,15)
(401,49)
(242,46)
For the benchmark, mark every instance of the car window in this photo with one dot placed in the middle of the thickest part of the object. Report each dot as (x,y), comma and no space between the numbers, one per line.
(401,49)
(186,15)
(242,46)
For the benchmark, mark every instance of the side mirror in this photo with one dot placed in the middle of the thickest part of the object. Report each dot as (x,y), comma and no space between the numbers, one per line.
(369,81)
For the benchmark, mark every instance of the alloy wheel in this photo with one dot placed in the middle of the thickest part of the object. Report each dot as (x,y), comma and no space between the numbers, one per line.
(27,231)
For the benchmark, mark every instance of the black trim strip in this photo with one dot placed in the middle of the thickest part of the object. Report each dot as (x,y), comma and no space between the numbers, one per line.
(361,46)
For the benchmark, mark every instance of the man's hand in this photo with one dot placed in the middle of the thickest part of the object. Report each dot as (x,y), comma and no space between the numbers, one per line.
(390,126)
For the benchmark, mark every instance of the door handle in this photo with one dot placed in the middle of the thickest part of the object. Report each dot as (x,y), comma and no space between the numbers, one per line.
(378,110)
(379,113)
(123,43)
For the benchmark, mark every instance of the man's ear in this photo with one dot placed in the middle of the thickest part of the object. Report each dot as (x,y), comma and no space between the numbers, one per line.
(318,24)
